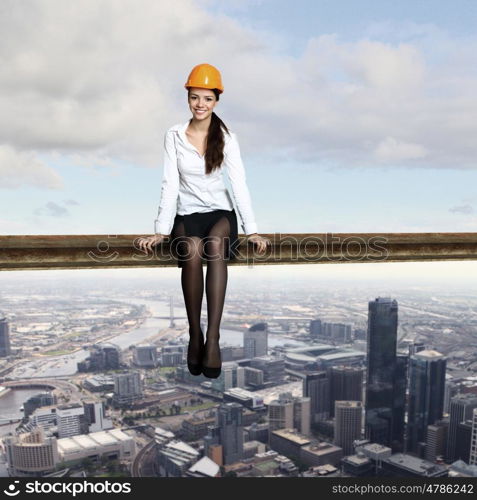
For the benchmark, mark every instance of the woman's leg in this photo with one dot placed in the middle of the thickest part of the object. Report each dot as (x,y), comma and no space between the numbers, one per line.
(215,286)
(192,280)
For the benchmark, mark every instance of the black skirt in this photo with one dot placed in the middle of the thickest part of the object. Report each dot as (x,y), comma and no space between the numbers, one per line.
(199,224)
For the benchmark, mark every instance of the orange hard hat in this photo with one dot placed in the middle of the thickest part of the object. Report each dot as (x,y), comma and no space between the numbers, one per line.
(205,76)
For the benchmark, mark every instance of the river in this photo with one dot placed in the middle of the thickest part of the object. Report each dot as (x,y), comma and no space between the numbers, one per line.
(66,364)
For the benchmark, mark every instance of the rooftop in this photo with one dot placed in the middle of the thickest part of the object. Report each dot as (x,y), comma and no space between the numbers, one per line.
(292,435)
(414,464)
(205,466)
(91,441)
(429,354)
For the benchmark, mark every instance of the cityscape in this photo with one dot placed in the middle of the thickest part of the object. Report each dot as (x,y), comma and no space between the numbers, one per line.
(318,380)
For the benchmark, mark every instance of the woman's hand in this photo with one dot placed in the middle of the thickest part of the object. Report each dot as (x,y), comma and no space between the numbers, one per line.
(145,244)
(260,242)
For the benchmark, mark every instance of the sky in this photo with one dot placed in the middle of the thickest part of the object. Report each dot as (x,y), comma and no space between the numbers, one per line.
(352,115)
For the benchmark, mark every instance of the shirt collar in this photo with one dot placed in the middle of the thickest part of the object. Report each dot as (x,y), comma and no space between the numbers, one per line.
(182,134)
(182,130)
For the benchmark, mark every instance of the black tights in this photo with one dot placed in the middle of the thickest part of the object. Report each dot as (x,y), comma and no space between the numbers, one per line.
(192,280)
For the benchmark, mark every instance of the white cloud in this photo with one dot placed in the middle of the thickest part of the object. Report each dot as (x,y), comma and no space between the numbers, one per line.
(392,150)
(101,79)
(20,168)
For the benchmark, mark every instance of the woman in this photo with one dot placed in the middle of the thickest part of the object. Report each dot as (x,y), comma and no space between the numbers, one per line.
(197,210)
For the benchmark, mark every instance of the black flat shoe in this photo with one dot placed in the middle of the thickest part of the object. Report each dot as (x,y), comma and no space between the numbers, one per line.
(195,368)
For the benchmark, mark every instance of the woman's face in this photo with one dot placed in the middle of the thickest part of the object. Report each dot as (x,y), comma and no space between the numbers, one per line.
(201,102)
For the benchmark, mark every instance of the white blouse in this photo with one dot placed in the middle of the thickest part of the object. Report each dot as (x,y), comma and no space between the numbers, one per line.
(186,188)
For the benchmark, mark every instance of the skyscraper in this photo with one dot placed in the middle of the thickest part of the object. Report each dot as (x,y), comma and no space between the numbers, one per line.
(346,384)
(451,390)
(289,412)
(316,387)
(5,349)
(280,413)
(212,447)
(232,375)
(71,420)
(315,328)
(383,386)
(461,409)
(399,402)
(231,431)
(427,373)
(95,416)
(436,439)
(473,439)
(348,417)
(463,440)
(255,341)
(127,388)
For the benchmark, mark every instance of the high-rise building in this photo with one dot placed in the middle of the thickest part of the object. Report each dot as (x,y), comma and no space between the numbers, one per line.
(255,341)
(302,415)
(316,387)
(5,348)
(127,388)
(348,418)
(145,356)
(101,357)
(280,413)
(95,416)
(232,375)
(382,424)
(436,440)
(289,412)
(172,355)
(31,454)
(337,332)
(427,373)
(112,356)
(451,390)
(273,369)
(212,447)
(461,409)
(463,440)
(71,420)
(315,328)
(399,401)
(45,417)
(37,401)
(346,384)
(229,420)
(473,439)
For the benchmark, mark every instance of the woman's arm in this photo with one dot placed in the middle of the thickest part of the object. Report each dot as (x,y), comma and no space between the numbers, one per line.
(236,172)
(170,187)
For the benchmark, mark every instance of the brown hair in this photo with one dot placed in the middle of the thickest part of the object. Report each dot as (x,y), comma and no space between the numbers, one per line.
(214,153)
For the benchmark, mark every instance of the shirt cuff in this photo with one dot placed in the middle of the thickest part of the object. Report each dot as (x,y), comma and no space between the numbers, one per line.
(163,229)
(250,228)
